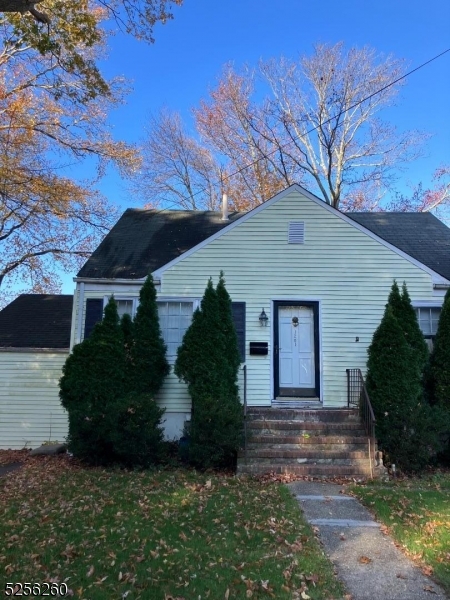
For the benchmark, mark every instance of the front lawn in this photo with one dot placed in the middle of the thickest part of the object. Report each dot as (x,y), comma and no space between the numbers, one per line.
(417,514)
(157,535)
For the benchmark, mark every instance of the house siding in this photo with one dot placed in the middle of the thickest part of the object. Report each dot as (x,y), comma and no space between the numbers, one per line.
(30,409)
(348,272)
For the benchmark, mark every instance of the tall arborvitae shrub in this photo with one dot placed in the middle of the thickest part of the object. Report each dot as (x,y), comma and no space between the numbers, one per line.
(108,387)
(440,357)
(231,366)
(208,361)
(412,331)
(439,374)
(405,427)
(148,351)
(92,381)
(138,434)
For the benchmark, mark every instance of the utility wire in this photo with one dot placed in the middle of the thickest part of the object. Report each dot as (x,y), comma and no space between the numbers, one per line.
(387,86)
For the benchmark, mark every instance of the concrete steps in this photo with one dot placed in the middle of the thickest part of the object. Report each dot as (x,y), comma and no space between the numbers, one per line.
(321,443)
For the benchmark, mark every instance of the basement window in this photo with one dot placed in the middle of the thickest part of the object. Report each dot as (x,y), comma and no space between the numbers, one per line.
(296,232)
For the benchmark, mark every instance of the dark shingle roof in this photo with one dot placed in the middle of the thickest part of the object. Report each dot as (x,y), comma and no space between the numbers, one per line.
(421,235)
(36,321)
(145,240)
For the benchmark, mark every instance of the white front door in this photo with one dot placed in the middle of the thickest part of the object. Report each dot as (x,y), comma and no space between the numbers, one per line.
(297,371)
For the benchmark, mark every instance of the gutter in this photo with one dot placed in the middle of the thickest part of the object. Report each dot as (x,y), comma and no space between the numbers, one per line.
(126,281)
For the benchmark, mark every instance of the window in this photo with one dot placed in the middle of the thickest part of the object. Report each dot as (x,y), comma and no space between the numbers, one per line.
(428,318)
(174,319)
(125,306)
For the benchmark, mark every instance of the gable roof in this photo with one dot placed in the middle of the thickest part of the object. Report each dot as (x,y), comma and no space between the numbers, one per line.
(36,321)
(144,240)
(420,235)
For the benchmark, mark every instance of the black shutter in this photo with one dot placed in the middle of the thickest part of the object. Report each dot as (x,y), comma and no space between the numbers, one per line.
(94,314)
(238,310)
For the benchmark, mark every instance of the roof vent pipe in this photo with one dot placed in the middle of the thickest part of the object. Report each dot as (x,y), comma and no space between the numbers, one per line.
(224,207)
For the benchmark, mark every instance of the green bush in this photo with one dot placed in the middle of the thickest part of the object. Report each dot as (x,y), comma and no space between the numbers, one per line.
(136,433)
(108,387)
(406,316)
(93,378)
(148,351)
(208,361)
(406,427)
(439,374)
(440,357)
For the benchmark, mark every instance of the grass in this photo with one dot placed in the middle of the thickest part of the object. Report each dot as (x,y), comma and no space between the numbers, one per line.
(157,535)
(416,513)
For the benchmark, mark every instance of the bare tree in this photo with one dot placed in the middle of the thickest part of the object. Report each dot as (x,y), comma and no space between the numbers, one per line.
(323,115)
(177,170)
(317,124)
(435,199)
(233,126)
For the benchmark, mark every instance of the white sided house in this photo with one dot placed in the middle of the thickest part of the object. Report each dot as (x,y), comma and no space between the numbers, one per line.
(321,277)
(34,344)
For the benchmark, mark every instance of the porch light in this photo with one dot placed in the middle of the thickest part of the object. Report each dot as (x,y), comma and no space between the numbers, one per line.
(263,318)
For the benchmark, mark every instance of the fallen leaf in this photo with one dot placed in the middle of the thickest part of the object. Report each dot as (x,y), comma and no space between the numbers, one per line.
(364,560)
(427,571)
(305,596)
(401,576)
(227,594)
(90,572)
(429,588)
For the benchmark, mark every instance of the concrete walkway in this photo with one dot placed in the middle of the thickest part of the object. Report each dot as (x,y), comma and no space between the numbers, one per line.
(368,562)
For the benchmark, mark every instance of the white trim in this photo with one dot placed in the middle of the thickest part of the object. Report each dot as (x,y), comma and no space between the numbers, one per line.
(80,313)
(427,303)
(436,278)
(271,339)
(109,281)
(37,350)
(195,301)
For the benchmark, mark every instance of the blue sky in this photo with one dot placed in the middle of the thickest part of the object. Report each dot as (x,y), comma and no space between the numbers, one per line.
(187,57)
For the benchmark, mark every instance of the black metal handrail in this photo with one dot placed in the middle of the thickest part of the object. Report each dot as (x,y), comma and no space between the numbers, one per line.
(244,368)
(357,397)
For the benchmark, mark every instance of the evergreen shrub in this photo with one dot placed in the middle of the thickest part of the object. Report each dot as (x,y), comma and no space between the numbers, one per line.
(208,361)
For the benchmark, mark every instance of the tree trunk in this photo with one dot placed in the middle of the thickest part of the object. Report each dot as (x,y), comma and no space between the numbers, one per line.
(23,6)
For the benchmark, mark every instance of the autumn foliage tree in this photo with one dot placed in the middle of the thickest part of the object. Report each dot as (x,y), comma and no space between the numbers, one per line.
(313,121)
(138,17)
(54,103)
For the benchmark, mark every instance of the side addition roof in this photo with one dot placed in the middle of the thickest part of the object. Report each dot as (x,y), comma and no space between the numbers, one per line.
(36,321)
(421,235)
(145,240)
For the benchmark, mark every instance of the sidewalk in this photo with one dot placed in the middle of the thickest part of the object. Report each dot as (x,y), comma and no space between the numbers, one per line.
(368,562)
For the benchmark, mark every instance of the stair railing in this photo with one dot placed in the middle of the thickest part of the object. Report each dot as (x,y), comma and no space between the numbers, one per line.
(244,369)
(357,397)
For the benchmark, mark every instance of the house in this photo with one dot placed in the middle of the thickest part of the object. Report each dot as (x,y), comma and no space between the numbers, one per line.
(321,277)
(34,344)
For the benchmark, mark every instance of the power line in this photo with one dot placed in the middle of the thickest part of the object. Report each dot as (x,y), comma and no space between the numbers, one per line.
(342,112)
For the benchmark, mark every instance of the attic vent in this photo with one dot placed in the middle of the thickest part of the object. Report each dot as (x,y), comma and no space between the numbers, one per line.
(296,232)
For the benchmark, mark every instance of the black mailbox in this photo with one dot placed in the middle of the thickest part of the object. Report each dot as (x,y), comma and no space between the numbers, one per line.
(261,348)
